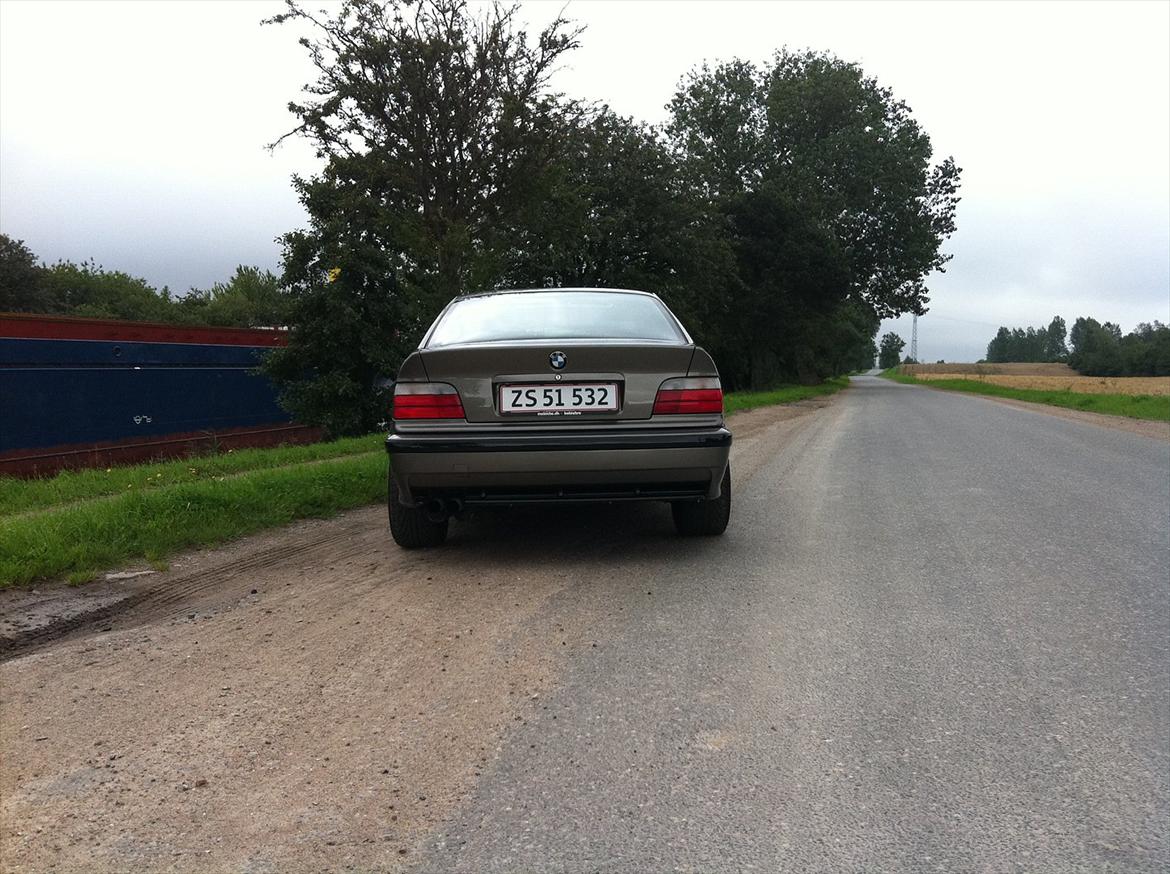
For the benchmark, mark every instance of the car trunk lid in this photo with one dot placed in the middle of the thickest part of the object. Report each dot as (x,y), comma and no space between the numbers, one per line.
(478,372)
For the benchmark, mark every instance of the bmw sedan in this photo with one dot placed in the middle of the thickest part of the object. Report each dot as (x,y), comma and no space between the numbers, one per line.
(556,395)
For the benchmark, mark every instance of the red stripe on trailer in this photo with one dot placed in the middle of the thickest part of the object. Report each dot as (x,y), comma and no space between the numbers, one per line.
(50,460)
(39,327)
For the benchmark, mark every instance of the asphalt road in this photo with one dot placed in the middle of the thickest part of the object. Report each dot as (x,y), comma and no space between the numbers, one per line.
(934,638)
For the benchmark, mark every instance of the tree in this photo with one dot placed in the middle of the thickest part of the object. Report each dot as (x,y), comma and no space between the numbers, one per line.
(1000,347)
(89,290)
(830,199)
(1054,346)
(890,351)
(437,128)
(842,147)
(1101,350)
(22,286)
(1029,345)
(1096,348)
(250,299)
(614,212)
(787,289)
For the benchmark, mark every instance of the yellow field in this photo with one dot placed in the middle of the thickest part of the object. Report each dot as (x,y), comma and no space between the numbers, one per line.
(1045,377)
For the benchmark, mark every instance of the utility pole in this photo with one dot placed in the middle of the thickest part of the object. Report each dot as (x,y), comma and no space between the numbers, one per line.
(914,341)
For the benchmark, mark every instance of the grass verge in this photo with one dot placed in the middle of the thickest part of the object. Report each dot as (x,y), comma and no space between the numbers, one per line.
(78,523)
(785,394)
(81,538)
(67,487)
(1152,407)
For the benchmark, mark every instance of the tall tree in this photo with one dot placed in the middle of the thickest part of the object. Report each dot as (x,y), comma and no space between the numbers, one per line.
(437,127)
(1054,343)
(843,148)
(890,351)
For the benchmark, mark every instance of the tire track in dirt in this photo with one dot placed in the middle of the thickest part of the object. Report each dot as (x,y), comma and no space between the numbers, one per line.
(162,593)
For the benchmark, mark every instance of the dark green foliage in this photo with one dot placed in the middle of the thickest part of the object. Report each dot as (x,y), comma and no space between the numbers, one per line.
(22,285)
(1101,350)
(833,210)
(347,337)
(438,131)
(1054,344)
(90,291)
(84,289)
(1044,345)
(252,298)
(780,214)
(842,148)
(890,351)
(1097,349)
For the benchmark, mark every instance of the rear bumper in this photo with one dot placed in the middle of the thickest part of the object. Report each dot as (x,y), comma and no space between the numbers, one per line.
(488,468)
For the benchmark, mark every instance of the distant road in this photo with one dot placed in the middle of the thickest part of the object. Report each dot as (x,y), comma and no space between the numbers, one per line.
(936,637)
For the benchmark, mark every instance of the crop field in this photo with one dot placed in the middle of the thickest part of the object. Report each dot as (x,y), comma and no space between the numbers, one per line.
(1098,385)
(1135,397)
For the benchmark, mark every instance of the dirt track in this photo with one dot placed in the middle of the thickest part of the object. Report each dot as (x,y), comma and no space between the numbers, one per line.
(310,699)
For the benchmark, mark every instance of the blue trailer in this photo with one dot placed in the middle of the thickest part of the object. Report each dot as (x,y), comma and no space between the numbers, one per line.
(84,392)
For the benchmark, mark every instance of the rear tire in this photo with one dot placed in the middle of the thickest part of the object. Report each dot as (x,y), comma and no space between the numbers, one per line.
(706,518)
(409,526)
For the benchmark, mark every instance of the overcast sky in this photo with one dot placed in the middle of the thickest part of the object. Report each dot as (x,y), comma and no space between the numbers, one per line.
(133,134)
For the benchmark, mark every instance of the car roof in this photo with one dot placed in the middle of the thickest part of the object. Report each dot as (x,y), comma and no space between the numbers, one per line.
(555,288)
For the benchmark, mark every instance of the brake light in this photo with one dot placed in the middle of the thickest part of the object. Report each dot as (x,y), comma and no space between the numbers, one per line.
(426,400)
(701,394)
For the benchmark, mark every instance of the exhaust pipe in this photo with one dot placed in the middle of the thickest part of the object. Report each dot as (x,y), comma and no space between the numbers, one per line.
(441,509)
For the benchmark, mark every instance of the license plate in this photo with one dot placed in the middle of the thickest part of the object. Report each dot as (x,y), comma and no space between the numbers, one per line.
(560,398)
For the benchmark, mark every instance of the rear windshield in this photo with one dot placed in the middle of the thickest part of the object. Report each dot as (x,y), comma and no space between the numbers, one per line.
(551,315)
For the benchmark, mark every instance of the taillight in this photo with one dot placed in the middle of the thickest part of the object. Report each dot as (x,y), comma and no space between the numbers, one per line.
(426,400)
(701,394)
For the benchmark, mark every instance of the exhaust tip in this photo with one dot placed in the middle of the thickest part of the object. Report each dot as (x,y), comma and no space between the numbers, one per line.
(436,510)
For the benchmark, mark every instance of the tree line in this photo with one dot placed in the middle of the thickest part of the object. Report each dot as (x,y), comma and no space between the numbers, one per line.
(1031,344)
(250,298)
(782,210)
(1092,348)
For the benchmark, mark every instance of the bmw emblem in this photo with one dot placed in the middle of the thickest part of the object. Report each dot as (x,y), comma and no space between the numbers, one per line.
(557,360)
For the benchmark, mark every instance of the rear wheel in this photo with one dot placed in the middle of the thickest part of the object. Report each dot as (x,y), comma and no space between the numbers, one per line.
(705,518)
(409,526)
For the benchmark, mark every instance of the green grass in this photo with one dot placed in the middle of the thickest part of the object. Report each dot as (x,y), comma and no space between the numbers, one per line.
(76,524)
(1153,407)
(784,394)
(78,539)
(25,495)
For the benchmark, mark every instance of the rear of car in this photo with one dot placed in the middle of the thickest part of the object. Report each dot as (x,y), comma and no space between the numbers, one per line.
(556,395)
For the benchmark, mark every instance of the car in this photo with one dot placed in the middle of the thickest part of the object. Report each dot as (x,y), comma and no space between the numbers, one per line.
(556,395)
